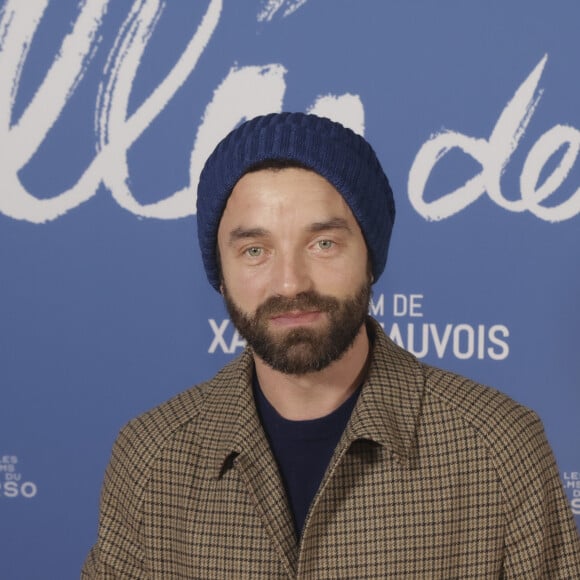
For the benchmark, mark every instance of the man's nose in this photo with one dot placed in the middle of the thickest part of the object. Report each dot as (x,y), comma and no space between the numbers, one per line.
(291,274)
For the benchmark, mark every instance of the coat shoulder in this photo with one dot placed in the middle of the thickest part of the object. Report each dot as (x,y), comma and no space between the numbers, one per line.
(491,412)
(148,434)
(512,433)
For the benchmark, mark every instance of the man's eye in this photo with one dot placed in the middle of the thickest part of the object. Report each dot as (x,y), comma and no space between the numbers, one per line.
(325,244)
(254,252)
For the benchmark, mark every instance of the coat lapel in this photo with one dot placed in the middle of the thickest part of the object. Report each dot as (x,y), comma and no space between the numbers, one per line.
(389,406)
(235,439)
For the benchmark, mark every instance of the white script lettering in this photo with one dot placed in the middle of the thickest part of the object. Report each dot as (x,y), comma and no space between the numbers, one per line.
(244,93)
(494,154)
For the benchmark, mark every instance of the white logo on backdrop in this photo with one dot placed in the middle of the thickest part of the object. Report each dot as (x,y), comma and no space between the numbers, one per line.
(244,93)
(12,484)
(494,155)
(571,481)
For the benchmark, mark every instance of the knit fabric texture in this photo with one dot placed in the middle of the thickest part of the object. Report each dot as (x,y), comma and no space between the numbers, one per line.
(346,160)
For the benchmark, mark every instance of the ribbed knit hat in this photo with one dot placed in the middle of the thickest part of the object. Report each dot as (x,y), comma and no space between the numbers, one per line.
(336,153)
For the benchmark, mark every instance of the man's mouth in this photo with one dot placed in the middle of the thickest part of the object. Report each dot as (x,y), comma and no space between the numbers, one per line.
(296,318)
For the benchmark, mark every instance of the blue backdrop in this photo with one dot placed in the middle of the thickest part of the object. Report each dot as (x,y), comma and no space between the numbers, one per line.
(107,111)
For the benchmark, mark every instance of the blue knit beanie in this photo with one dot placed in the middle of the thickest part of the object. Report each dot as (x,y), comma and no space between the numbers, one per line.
(336,153)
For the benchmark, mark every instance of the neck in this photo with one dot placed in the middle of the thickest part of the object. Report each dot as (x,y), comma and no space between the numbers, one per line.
(316,394)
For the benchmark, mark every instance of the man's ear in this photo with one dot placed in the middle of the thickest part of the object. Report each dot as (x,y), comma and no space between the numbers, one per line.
(370,269)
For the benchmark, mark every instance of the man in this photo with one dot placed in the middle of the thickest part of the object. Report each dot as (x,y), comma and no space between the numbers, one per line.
(324,451)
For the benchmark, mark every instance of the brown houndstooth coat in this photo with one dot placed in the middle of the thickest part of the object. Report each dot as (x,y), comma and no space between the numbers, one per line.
(435,477)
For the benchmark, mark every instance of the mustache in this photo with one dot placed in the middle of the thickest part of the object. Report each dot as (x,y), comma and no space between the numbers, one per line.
(310,300)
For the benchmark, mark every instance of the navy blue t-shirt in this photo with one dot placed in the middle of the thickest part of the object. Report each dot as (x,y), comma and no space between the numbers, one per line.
(302,449)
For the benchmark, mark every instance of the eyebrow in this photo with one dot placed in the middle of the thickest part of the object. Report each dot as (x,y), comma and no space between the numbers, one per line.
(331,224)
(241,233)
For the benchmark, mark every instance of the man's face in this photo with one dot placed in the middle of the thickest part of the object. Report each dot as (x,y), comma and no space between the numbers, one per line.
(294,267)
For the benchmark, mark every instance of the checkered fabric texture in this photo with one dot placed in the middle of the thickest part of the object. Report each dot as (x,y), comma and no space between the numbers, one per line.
(435,477)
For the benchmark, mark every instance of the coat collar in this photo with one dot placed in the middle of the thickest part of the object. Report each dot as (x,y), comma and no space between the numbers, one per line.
(386,412)
(388,408)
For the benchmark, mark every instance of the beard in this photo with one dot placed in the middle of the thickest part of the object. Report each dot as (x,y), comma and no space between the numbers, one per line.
(302,350)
